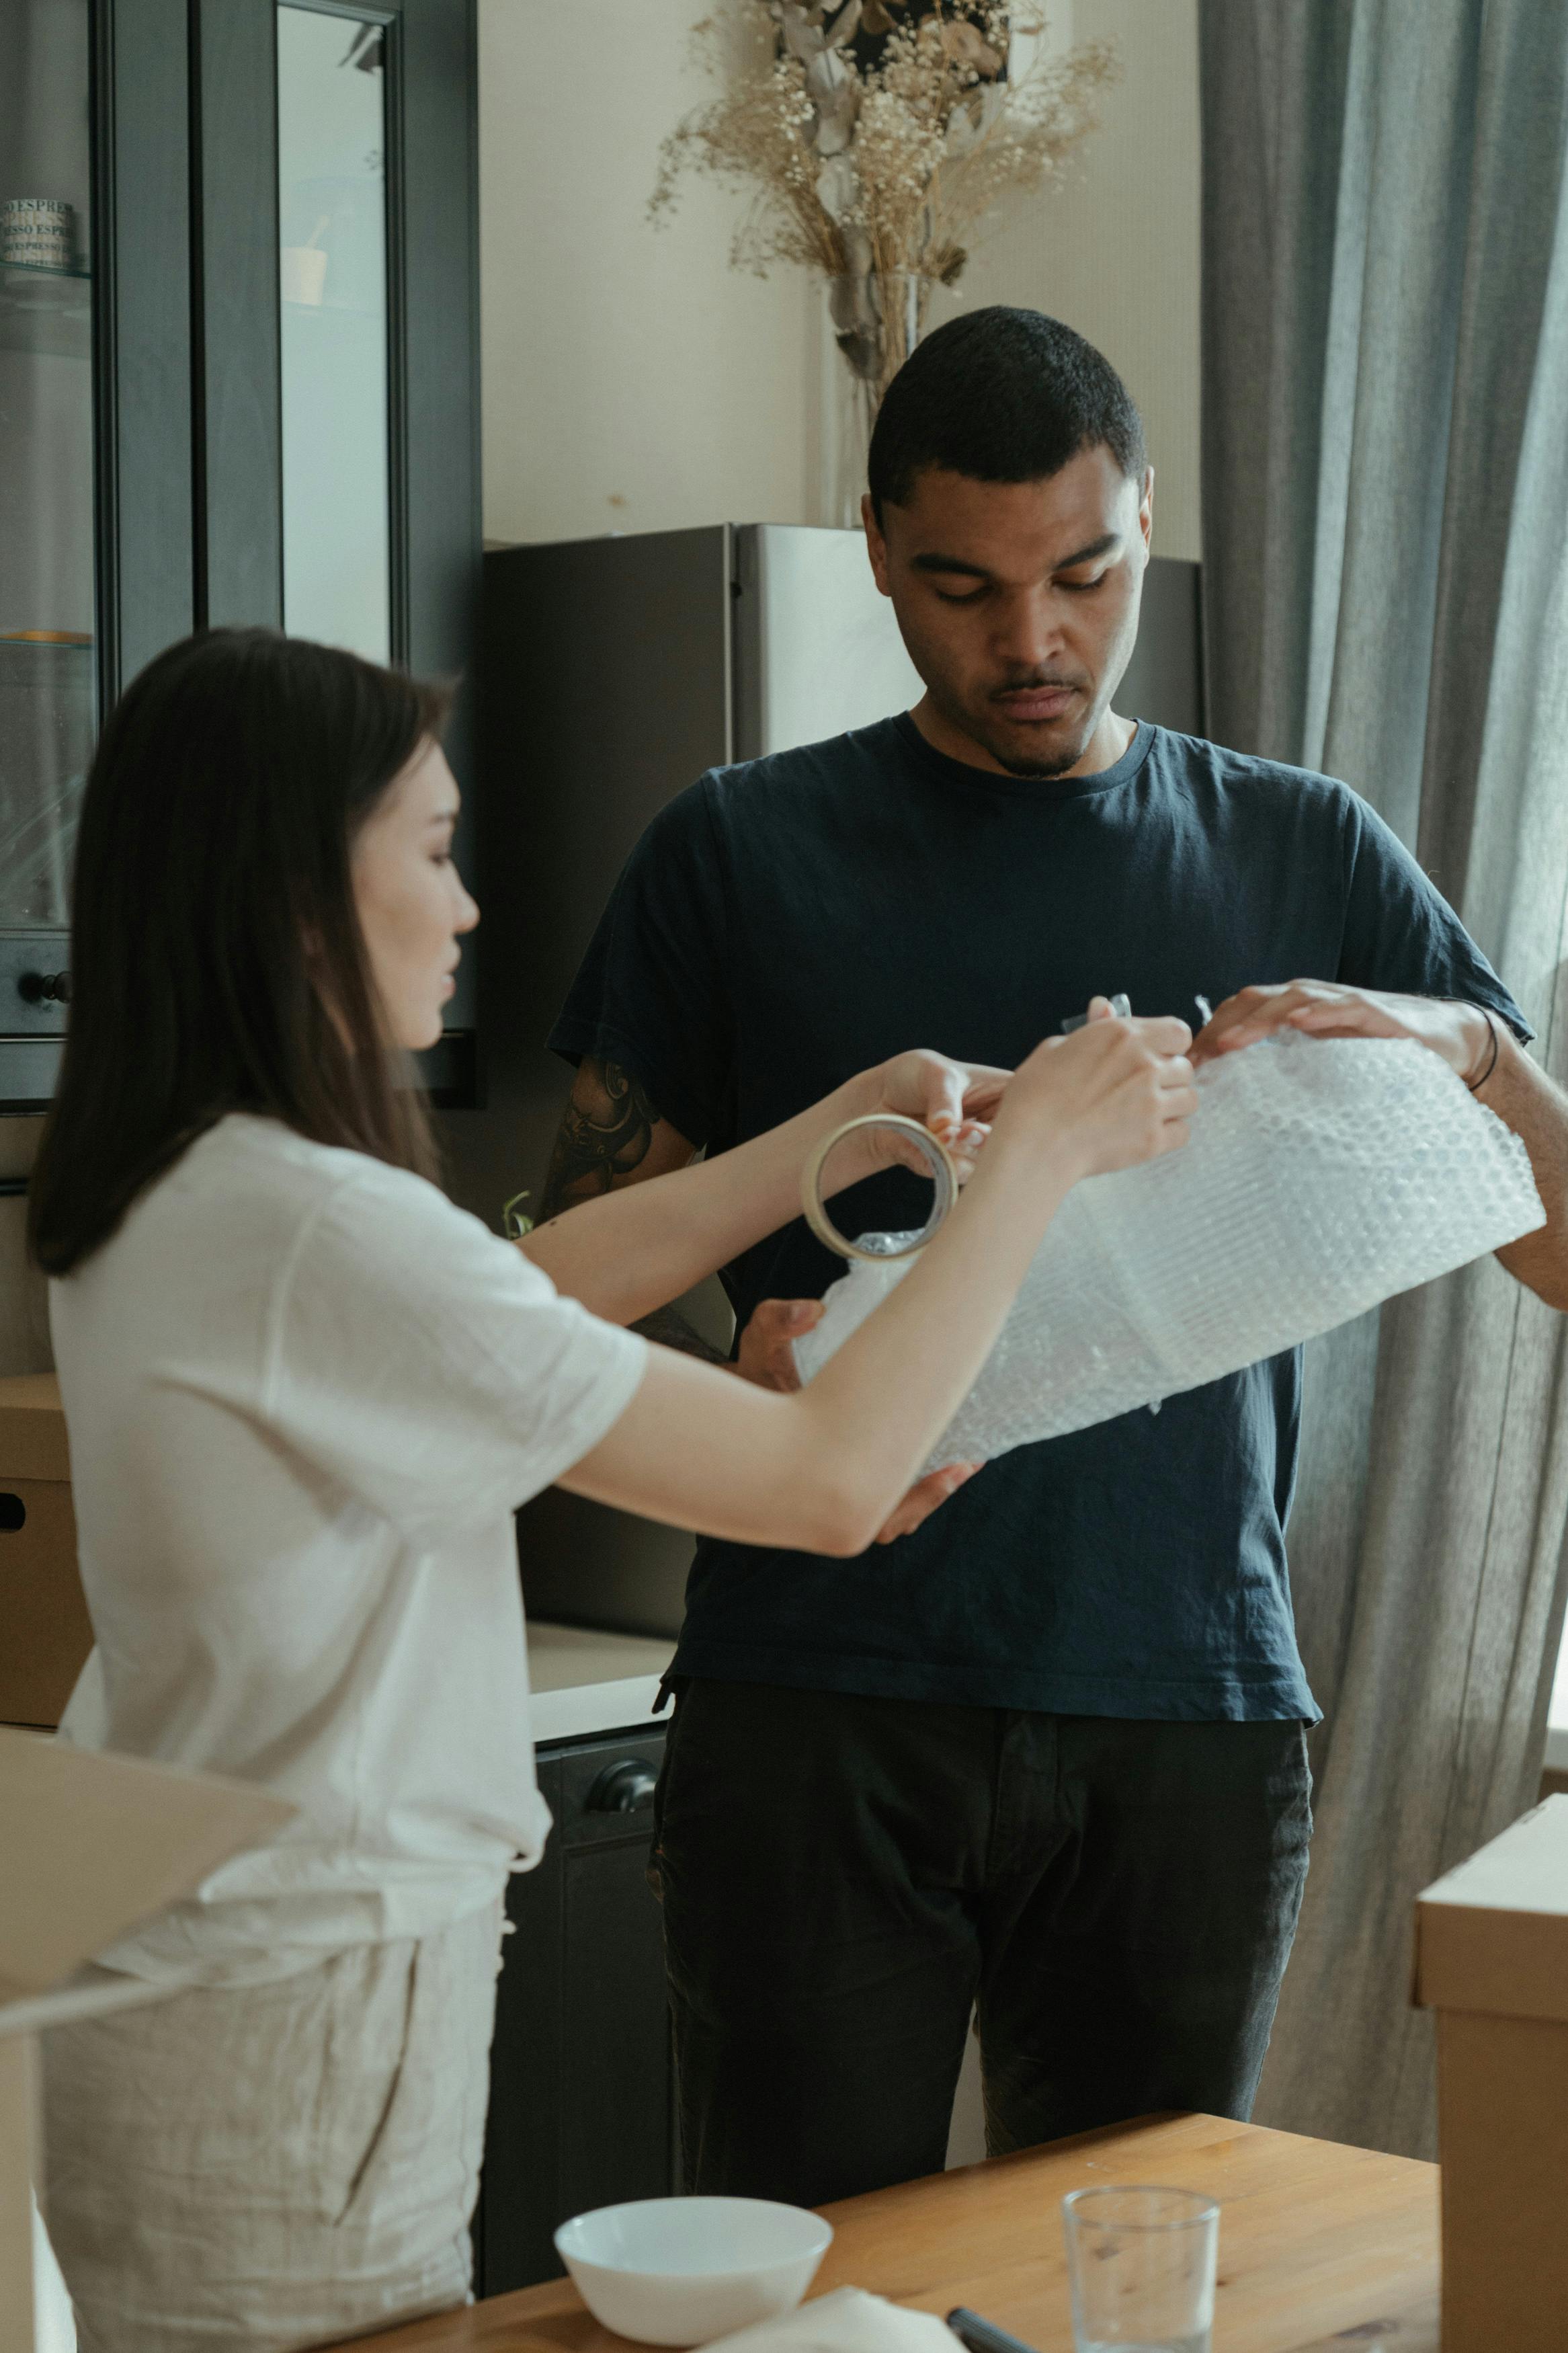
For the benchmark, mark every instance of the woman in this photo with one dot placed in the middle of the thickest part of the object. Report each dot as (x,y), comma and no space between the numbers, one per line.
(305,1395)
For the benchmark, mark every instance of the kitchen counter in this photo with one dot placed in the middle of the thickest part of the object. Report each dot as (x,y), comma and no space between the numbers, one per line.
(585,1680)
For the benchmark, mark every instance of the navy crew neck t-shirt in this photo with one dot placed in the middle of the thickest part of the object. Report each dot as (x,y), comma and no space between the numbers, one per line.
(789,921)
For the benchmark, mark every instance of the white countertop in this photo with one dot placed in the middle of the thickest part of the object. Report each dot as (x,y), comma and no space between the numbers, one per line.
(585,1680)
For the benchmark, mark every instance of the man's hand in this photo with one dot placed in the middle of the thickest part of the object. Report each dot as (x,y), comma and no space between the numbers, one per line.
(1461,1034)
(767,1357)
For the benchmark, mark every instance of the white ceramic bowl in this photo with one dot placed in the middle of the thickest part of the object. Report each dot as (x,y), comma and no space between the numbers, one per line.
(681,2271)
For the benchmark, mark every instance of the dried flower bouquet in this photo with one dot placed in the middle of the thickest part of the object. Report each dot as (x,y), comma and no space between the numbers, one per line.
(877,137)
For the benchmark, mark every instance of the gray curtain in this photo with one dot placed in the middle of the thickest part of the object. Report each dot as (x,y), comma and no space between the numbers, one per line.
(1385,516)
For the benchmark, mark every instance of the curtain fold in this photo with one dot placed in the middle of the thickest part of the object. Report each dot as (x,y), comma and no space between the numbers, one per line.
(1385,516)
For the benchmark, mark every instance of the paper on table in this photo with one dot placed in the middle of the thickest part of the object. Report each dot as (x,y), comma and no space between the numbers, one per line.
(847,2321)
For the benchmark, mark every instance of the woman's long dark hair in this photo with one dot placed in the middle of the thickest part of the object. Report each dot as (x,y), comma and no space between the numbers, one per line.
(214,923)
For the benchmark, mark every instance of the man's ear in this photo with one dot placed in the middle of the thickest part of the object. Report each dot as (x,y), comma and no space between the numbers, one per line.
(1146,507)
(876,545)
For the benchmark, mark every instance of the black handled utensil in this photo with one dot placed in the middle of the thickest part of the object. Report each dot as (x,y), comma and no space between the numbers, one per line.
(983,2336)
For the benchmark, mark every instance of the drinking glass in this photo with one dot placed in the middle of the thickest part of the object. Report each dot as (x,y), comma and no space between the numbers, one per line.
(1142,2263)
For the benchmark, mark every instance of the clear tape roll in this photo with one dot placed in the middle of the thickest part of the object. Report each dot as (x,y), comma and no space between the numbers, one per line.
(938,1160)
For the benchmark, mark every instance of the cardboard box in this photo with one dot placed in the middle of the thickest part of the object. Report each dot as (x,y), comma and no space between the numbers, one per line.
(1491,1959)
(45,1633)
(89,1845)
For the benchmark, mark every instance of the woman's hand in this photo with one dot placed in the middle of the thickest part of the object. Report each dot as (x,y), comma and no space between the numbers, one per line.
(1112,1093)
(955,1100)
(935,1090)
(830,1469)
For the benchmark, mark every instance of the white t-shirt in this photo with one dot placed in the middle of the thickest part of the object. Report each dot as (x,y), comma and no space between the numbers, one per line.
(305,1395)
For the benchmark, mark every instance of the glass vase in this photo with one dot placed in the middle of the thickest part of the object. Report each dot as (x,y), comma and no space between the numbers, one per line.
(873,323)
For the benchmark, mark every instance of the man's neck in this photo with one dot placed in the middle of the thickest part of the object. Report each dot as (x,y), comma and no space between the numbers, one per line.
(1110,739)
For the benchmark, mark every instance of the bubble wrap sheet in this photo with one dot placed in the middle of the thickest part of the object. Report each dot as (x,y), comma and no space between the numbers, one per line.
(1322,1176)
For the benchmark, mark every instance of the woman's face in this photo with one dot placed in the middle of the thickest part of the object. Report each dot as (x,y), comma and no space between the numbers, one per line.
(412,907)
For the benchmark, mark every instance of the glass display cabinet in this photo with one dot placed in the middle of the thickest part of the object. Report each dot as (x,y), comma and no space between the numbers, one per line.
(238,383)
(49,674)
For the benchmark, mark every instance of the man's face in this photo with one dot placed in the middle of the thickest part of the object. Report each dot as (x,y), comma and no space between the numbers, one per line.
(1018,601)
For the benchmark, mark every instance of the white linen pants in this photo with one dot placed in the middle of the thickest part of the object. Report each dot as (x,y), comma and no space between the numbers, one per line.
(273,2167)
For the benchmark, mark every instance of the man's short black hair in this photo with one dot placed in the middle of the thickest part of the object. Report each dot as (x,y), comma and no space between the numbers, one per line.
(1002,395)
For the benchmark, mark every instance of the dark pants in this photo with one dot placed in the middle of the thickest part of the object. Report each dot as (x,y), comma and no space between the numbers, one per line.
(843,1879)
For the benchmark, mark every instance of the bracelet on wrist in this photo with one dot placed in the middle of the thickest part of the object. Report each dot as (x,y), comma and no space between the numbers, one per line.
(1475,1085)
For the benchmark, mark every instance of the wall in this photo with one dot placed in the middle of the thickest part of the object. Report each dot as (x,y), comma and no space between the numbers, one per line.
(634,382)
(1115,251)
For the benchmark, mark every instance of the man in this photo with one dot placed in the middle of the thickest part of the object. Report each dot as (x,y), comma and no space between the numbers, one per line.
(1046,1752)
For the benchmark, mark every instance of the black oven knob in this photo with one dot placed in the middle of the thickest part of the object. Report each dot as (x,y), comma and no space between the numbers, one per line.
(45,988)
(625,1788)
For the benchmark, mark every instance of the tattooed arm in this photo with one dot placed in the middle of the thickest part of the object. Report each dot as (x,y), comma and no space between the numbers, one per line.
(612,1135)
(607,1138)
(686,1219)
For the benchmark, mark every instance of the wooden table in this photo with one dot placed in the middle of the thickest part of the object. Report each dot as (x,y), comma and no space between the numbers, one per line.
(1319,2246)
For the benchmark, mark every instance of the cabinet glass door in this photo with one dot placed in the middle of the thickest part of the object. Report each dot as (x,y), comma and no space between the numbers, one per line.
(334,309)
(48,667)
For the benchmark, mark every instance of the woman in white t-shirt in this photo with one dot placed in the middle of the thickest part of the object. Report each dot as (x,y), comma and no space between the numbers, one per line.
(305,1395)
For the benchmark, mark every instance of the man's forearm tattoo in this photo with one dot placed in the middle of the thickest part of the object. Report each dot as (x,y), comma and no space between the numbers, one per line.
(604,1134)
(599,1141)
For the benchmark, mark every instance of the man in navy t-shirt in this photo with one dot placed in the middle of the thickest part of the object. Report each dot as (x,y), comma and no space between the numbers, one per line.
(1044,1754)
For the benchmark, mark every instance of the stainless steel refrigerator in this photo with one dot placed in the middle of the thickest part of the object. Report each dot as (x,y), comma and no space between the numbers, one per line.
(612,671)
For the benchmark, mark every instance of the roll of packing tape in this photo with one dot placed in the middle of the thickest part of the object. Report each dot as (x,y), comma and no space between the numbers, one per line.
(937,1157)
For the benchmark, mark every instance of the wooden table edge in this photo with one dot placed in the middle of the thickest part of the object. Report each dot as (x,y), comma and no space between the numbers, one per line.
(552,2318)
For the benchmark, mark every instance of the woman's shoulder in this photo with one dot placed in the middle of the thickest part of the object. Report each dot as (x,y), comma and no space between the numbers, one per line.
(258,1230)
(249,1154)
(252,1203)
(290,1184)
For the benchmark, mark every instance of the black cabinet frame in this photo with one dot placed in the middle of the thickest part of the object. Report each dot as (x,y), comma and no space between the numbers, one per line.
(139,113)
(187,387)
(142,333)
(433,387)
(433,317)
(186,260)
(434,356)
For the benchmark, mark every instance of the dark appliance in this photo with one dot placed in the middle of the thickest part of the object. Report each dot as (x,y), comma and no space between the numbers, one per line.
(582,2102)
